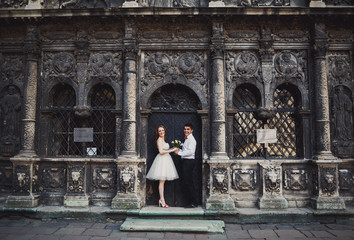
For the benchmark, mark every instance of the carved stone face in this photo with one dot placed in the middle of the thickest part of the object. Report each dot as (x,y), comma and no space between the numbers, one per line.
(75,176)
(21,177)
(219,177)
(329,178)
(126,177)
(272,176)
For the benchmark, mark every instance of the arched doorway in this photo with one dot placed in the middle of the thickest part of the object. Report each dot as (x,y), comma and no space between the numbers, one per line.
(173,106)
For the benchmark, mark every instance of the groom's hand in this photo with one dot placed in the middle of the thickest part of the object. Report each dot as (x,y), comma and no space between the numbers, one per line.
(176,151)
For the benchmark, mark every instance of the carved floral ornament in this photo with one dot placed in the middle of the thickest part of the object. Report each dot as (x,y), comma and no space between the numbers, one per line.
(103,65)
(104,178)
(159,65)
(53,179)
(295,179)
(346,179)
(12,68)
(59,66)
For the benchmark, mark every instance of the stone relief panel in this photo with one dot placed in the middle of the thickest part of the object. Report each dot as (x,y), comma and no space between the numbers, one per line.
(339,2)
(346,180)
(10,117)
(338,35)
(328,181)
(59,67)
(220,180)
(295,179)
(12,68)
(105,32)
(257,3)
(21,179)
(13,3)
(105,66)
(76,179)
(242,65)
(190,65)
(52,178)
(126,180)
(170,3)
(6,175)
(272,180)
(61,33)
(104,179)
(291,67)
(339,69)
(240,31)
(291,35)
(90,3)
(244,179)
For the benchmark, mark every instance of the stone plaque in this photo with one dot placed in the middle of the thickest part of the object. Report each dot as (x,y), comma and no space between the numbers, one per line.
(83,134)
(266,135)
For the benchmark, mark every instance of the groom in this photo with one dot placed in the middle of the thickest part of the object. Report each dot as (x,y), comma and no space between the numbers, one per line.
(187,154)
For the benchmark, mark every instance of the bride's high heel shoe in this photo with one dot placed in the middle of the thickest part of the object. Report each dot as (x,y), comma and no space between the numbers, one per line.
(162,205)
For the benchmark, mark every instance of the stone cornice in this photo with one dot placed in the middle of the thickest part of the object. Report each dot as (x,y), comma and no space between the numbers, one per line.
(227,11)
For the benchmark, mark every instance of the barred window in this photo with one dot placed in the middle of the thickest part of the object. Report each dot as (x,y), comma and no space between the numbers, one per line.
(287,123)
(64,121)
(246,100)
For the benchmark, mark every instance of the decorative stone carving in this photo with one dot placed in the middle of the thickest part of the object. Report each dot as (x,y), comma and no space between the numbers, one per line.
(266,44)
(104,178)
(244,179)
(6,173)
(126,180)
(53,179)
(13,3)
(11,69)
(220,180)
(339,70)
(174,3)
(272,179)
(338,2)
(106,66)
(291,66)
(76,179)
(296,180)
(256,3)
(11,122)
(22,179)
(328,181)
(59,67)
(291,35)
(160,65)
(346,179)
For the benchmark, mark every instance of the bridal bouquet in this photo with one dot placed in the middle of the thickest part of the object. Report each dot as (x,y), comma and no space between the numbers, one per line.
(177,143)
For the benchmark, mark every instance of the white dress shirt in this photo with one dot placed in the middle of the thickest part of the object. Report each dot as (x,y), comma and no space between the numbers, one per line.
(188,148)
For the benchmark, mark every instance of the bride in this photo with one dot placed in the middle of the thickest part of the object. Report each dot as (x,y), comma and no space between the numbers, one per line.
(162,168)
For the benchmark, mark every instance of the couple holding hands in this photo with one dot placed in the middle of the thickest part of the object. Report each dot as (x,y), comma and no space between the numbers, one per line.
(163,168)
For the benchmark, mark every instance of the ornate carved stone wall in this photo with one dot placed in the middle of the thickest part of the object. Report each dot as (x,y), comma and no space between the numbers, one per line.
(213,57)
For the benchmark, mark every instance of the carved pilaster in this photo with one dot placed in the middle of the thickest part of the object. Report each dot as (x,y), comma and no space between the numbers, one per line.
(76,192)
(127,179)
(266,51)
(25,178)
(82,54)
(272,195)
(129,91)
(326,186)
(217,98)
(219,197)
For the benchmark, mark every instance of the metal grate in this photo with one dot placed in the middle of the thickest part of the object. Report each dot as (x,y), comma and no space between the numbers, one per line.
(285,124)
(245,124)
(102,120)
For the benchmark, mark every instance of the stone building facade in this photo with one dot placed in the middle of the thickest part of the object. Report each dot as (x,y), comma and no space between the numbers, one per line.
(83,85)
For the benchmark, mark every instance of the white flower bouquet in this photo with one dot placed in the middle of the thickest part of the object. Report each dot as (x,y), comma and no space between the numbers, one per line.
(177,143)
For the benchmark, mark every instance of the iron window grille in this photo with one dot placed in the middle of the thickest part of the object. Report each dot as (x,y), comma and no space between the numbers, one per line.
(64,121)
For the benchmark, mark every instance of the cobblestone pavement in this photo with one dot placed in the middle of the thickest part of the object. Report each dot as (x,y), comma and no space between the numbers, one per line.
(19,228)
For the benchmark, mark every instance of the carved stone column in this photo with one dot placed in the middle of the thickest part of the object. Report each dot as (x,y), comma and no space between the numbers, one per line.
(219,197)
(272,194)
(76,192)
(327,164)
(23,164)
(128,162)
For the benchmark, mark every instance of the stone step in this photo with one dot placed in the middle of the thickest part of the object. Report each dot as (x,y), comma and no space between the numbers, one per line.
(153,211)
(172,225)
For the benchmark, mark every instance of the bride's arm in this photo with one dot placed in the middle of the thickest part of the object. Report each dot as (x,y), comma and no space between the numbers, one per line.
(160,145)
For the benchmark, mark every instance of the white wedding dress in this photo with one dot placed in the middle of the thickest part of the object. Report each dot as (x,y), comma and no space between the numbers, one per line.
(163,167)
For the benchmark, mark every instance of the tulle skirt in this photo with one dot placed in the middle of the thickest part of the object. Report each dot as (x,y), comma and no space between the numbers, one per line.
(162,168)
